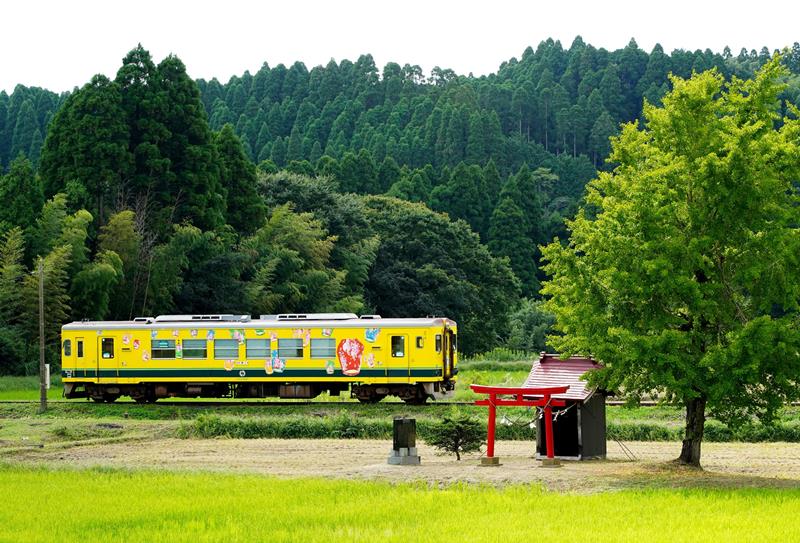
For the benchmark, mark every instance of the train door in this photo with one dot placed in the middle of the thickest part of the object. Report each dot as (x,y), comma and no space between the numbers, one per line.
(448,349)
(79,361)
(107,356)
(398,356)
(451,352)
(441,352)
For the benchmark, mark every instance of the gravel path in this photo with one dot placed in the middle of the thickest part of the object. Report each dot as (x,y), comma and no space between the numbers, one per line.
(725,464)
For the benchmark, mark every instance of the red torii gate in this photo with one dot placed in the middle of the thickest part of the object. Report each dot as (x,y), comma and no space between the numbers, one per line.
(523,396)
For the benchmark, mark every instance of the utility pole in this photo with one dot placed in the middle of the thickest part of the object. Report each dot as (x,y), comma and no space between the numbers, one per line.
(43,377)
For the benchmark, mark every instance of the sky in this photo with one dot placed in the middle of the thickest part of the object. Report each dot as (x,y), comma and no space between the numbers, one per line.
(62,44)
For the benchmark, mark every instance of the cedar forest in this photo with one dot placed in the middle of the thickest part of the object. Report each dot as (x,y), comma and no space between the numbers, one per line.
(340,188)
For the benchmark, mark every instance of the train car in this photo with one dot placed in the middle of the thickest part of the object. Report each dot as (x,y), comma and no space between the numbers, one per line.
(286,356)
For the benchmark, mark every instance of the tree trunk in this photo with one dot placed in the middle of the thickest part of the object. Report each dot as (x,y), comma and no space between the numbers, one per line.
(693,437)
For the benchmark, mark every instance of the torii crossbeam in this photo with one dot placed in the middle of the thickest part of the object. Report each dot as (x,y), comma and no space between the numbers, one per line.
(520,396)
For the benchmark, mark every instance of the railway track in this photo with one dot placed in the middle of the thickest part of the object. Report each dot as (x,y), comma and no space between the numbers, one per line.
(233,403)
(265,403)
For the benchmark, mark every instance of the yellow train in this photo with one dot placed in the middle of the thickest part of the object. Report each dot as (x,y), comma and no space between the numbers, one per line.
(287,356)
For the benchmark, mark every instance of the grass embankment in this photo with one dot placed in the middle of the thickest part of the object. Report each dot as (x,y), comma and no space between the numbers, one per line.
(104,505)
(309,420)
(27,387)
(294,419)
(345,421)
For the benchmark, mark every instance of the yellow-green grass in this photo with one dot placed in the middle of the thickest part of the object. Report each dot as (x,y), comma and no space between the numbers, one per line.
(103,505)
(27,387)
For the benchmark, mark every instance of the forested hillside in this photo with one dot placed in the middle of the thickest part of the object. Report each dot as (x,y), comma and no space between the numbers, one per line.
(313,190)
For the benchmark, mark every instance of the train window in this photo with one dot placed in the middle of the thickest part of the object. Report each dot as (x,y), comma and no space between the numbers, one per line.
(323,348)
(80,349)
(257,348)
(290,348)
(107,347)
(195,348)
(438,343)
(420,342)
(225,349)
(67,347)
(398,346)
(162,348)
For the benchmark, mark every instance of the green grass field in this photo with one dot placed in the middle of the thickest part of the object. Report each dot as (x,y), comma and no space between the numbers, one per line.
(110,505)
(478,372)
(27,388)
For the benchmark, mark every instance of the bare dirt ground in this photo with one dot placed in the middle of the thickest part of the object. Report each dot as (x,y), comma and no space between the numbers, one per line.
(725,464)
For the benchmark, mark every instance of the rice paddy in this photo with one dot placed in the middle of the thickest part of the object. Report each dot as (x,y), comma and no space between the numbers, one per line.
(111,505)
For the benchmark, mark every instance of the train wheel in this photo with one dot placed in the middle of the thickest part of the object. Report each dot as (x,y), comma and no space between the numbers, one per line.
(143,394)
(414,395)
(372,399)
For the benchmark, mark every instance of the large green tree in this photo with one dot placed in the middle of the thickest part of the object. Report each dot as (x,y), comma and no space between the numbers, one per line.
(121,236)
(341,215)
(289,259)
(682,274)
(20,194)
(144,109)
(245,209)
(86,148)
(428,264)
(12,272)
(464,195)
(56,303)
(191,189)
(93,285)
(508,237)
(175,174)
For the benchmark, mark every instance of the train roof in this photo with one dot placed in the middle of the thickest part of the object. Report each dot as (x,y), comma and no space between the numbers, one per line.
(287,320)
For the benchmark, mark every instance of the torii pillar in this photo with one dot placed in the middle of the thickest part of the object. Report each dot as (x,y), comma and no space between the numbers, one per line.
(521,396)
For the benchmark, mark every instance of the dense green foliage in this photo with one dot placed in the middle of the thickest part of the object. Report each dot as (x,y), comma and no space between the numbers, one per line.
(429,265)
(551,100)
(682,271)
(142,196)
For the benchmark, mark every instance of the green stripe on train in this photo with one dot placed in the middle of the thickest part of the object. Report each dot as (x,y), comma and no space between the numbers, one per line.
(235,373)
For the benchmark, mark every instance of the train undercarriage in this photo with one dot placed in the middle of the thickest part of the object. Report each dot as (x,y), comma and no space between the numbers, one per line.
(410,393)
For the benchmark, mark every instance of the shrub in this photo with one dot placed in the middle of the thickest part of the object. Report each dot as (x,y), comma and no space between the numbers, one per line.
(350,426)
(293,427)
(455,434)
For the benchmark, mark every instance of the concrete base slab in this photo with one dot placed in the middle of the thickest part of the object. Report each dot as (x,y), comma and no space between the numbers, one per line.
(405,456)
(551,463)
(404,460)
(493,461)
